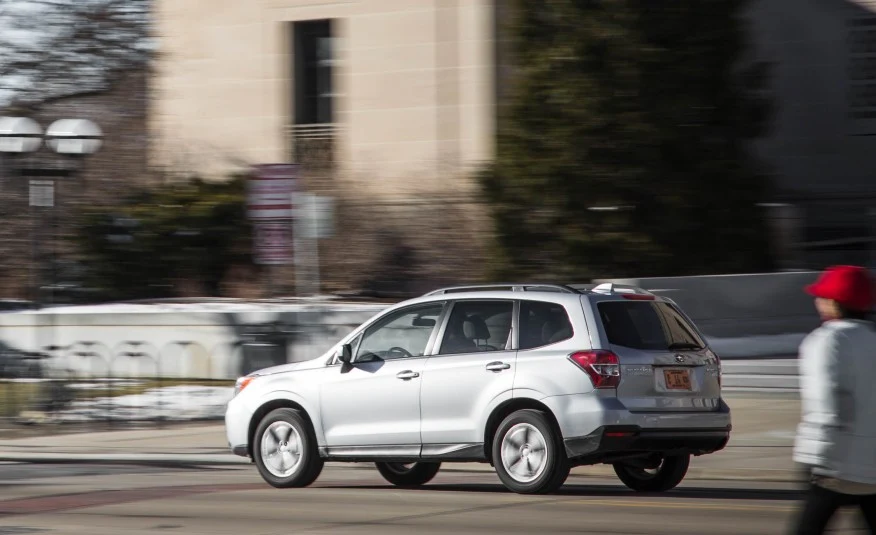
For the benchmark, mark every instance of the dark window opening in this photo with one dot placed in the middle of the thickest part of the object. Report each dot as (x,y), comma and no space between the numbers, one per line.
(314,54)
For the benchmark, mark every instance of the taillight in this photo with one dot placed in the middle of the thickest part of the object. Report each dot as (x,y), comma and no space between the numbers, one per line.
(603,367)
(720,371)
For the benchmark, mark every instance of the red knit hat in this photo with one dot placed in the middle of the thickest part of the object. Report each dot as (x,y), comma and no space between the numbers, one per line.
(850,286)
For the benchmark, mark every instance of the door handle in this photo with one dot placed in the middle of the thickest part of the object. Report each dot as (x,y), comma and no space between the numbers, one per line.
(497,366)
(407,374)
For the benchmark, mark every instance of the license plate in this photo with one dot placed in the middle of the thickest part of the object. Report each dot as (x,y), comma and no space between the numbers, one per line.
(677,379)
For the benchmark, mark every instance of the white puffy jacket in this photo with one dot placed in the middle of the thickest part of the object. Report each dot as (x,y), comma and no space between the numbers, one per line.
(837,434)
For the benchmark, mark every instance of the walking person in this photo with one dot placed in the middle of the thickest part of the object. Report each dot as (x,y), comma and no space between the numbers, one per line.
(836,439)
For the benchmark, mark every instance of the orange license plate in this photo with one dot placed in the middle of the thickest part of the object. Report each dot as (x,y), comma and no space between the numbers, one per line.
(677,379)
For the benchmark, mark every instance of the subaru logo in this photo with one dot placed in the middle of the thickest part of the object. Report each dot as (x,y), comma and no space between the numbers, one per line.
(679,358)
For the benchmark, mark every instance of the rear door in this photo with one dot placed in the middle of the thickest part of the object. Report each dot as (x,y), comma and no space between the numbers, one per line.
(665,364)
(472,368)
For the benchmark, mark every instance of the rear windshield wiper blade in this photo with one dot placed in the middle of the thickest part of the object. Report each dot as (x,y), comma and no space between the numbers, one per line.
(681,346)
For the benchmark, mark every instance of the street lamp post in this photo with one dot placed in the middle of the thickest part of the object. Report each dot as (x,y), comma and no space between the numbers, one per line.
(71,138)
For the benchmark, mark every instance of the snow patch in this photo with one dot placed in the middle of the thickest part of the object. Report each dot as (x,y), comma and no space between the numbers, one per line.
(174,403)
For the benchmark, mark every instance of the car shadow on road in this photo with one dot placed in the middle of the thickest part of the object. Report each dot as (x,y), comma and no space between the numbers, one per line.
(602,491)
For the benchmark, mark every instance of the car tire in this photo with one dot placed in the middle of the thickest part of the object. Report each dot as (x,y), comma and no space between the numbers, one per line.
(408,474)
(285,450)
(666,477)
(526,436)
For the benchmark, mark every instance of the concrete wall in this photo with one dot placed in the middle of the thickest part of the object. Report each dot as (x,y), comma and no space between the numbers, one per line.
(190,341)
(413,78)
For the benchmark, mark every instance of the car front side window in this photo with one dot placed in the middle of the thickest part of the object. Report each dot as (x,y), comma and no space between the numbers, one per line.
(403,334)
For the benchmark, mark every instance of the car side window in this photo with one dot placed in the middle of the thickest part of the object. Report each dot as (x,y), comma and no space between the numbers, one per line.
(402,334)
(476,326)
(543,324)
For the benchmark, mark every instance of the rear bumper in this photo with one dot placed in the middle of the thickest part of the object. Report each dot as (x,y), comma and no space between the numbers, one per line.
(611,443)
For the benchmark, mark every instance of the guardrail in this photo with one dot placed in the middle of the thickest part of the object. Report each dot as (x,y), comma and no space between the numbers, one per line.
(761,375)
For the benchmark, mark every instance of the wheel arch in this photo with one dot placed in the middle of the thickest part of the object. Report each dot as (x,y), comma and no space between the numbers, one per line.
(509,407)
(266,409)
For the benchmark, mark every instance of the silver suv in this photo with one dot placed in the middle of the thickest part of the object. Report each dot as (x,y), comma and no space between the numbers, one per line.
(533,379)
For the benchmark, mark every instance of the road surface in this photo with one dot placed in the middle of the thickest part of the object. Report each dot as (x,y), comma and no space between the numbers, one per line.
(113,500)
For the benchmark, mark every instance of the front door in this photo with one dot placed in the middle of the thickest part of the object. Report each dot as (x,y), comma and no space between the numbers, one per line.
(372,407)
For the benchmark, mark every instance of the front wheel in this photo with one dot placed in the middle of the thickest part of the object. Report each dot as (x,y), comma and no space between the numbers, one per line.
(285,451)
(527,455)
(408,475)
(665,476)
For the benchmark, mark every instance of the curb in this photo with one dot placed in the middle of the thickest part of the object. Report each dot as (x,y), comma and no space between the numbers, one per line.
(153,459)
(703,474)
(194,460)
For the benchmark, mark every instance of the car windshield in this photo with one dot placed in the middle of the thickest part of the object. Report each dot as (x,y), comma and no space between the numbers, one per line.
(648,325)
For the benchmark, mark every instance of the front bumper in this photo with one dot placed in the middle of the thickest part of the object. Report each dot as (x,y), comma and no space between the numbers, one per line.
(611,443)
(237,427)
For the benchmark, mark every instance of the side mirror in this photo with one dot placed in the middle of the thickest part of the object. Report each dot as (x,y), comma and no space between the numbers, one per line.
(345,355)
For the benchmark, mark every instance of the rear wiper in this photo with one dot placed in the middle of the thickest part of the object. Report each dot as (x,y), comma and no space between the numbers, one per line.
(681,346)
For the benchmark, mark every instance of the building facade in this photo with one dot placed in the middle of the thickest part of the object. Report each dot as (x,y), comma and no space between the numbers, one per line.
(398,99)
(821,146)
(394,95)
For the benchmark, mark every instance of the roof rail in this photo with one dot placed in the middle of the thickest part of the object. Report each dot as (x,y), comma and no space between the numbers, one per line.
(611,287)
(512,287)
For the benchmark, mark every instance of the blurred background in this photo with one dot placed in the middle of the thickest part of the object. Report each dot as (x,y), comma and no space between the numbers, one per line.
(279,170)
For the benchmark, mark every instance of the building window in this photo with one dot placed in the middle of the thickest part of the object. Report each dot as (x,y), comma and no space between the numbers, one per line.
(862,68)
(314,55)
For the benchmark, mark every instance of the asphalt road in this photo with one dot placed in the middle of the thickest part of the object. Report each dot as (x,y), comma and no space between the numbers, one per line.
(115,500)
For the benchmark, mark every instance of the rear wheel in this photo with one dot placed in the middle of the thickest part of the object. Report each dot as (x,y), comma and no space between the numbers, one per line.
(527,455)
(285,451)
(663,476)
(408,474)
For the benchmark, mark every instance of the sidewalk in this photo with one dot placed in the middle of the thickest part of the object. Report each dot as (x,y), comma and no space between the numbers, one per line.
(759,449)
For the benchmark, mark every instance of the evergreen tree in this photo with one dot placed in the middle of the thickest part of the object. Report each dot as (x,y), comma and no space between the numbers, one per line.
(141,247)
(623,147)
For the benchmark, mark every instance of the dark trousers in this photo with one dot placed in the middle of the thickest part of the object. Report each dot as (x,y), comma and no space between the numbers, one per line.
(820,504)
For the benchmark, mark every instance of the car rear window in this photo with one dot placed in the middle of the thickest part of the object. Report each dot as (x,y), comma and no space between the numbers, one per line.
(647,325)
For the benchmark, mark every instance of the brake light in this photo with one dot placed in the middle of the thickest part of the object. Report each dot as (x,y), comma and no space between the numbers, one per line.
(638,297)
(603,367)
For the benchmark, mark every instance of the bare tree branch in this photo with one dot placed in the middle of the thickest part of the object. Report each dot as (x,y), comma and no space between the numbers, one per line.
(57,48)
